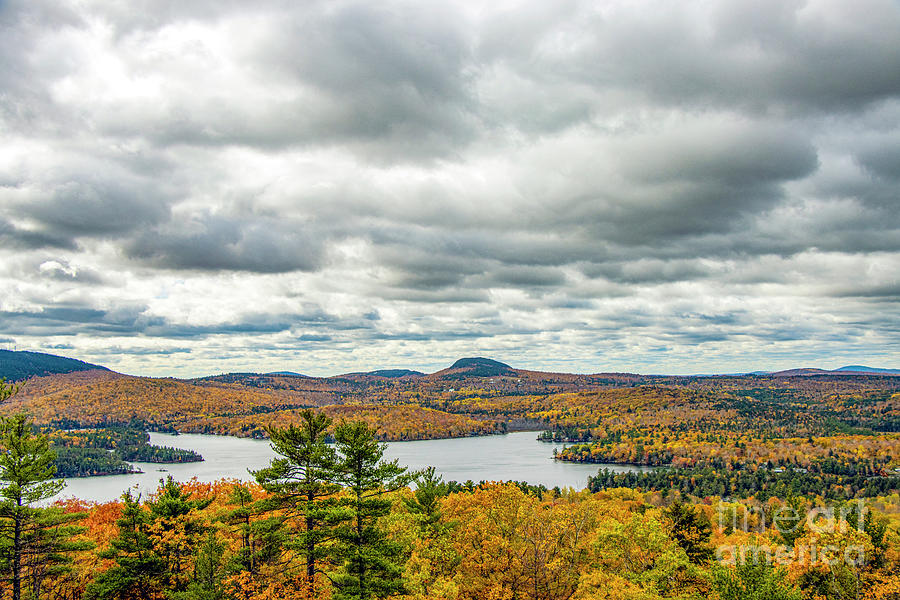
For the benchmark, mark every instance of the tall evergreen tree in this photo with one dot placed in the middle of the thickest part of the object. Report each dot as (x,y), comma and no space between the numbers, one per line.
(302,482)
(176,529)
(51,545)
(370,559)
(35,542)
(261,535)
(692,530)
(425,501)
(209,571)
(153,548)
(139,571)
(863,519)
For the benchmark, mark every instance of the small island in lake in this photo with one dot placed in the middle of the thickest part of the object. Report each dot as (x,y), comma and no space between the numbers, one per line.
(107,451)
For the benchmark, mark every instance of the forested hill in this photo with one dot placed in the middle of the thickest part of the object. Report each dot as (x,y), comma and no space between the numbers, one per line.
(17,366)
(477,367)
(622,417)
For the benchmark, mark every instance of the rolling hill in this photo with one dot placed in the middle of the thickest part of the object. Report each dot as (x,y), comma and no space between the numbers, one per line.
(473,396)
(21,365)
(394,373)
(862,369)
(476,367)
(849,370)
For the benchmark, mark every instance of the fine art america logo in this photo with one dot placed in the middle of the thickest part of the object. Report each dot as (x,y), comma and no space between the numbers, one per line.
(822,535)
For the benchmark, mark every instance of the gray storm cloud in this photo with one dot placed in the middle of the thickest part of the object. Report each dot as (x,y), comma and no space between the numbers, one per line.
(570,183)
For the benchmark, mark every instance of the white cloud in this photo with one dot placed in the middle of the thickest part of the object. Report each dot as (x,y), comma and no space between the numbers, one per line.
(333,186)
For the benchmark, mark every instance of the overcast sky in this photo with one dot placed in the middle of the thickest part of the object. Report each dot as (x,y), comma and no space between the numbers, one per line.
(190,188)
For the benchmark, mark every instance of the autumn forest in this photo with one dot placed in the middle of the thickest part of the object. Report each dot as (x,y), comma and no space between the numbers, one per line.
(768,486)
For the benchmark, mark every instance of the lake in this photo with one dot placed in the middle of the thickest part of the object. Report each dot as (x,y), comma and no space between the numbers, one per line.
(514,456)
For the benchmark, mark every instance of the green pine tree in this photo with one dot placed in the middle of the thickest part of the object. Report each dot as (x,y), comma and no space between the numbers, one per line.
(209,571)
(174,513)
(425,501)
(434,532)
(301,481)
(154,546)
(261,537)
(370,559)
(35,542)
(139,572)
(51,543)
(691,529)
(863,519)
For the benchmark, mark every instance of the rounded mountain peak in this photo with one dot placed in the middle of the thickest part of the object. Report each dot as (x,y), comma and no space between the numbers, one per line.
(477,367)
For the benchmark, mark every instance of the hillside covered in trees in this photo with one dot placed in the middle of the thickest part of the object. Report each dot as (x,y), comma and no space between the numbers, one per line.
(21,365)
(845,424)
(835,433)
(339,521)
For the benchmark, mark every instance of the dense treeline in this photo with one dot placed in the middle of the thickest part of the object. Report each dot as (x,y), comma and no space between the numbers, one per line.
(742,483)
(689,449)
(158,454)
(85,453)
(89,462)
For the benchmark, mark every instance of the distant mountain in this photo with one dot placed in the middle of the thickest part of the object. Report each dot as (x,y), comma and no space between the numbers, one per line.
(395,373)
(16,366)
(740,374)
(862,369)
(363,376)
(476,367)
(849,370)
(265,380)
(800,372)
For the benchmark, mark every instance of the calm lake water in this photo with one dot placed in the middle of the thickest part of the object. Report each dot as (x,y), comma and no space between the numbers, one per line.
(515,456)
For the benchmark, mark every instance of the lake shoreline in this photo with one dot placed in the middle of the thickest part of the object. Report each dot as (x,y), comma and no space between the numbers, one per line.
(514,456)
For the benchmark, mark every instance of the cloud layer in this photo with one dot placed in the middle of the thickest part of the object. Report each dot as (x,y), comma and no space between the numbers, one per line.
(199,187)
